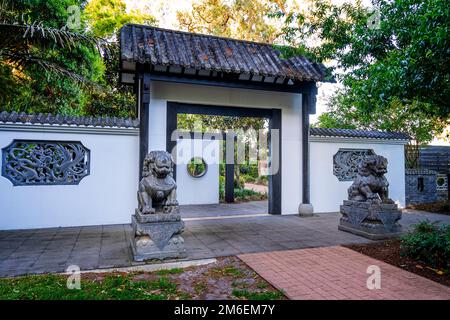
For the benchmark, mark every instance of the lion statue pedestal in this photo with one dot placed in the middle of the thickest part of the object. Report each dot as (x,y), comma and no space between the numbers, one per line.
(157,224)
(369,212)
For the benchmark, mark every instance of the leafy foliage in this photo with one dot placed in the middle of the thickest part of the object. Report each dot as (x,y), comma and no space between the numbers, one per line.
(242,293)
(113,286)
(429,243)
(240,125)
(106,17)
(396,116)
(240,19)
(395,71)
(34,51)
(208,123)
(47,67)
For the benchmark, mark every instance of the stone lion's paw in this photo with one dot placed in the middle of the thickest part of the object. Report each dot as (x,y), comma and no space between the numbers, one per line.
(172,203)
(148,210)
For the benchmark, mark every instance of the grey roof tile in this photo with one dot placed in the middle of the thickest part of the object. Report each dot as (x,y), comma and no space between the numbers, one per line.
(156,46)
(14,117)
(350,133)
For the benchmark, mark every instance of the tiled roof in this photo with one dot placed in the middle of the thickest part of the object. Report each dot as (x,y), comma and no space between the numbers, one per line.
(14,117)
(156,46)
(350,133)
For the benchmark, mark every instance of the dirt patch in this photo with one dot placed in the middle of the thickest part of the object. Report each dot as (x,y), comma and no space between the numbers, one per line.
(228,278)
(389,252)
(442,207)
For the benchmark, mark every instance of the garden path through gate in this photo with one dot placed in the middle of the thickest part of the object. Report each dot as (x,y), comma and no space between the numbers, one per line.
(274,117)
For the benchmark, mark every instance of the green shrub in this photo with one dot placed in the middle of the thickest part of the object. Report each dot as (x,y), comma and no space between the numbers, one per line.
(241,194)
(221,187)
(429,243)
(264,295)
(222,169)
(253,170)
(244,168)
(446,206)
(264,180)
(239,185)
(247,178)
(249,169)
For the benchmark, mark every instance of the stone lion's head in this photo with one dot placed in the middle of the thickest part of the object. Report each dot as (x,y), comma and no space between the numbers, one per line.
(158,163)
(373,165)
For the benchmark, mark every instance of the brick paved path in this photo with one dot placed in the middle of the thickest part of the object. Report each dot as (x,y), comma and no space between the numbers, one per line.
(338,273)
(93,247)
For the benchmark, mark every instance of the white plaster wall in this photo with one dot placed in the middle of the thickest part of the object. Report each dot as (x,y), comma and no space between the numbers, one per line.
(205,189)
(289,103)
(106,196)
(327,192)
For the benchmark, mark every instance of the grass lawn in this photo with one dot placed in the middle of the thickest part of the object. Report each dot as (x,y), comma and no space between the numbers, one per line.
(229,278)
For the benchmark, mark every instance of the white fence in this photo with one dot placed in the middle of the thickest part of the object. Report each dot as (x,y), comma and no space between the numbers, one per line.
(106,196)
(328,192)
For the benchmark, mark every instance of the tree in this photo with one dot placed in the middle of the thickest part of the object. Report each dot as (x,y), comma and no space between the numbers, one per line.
(410,119)
(47,67)
(240,19)
(240,125)
(41,62)
(393,59)
(106,17)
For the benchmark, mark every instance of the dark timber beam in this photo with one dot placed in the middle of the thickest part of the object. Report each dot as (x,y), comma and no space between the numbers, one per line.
(308,107)
(229,167)
(144,103)
(275,162)
(448,186)
(305,146)
(274,116)
(299,87)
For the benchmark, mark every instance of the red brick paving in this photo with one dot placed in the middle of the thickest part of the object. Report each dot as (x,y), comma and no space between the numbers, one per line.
(338,273)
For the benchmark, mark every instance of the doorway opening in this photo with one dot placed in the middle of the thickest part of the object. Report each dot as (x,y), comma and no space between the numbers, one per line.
(248,142)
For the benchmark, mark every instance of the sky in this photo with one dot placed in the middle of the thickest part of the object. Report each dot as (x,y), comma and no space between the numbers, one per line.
(165,12)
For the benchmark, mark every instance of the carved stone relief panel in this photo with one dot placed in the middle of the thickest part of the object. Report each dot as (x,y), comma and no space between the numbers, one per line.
(347,161)
(37,162)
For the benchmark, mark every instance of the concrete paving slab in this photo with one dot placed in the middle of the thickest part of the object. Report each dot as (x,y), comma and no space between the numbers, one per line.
(47,250)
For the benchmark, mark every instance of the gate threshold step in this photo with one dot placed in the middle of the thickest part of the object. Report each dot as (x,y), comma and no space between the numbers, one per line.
(227,217)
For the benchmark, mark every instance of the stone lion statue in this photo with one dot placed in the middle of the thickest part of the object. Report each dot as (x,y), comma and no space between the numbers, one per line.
(371,184)
(157,189)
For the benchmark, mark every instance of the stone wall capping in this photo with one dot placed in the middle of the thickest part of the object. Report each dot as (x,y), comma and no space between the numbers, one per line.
(352,134)
(427,172)
(67,120)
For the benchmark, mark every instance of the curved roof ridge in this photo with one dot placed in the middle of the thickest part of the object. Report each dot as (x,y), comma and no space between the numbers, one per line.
(118,122)
(255,58)
(357,133)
